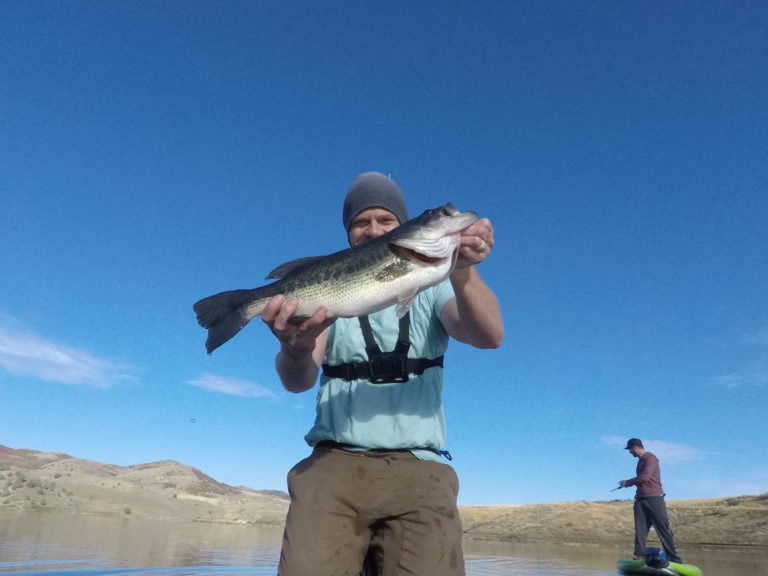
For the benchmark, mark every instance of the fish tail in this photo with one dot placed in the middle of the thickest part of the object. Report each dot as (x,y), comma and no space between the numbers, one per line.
(223,315)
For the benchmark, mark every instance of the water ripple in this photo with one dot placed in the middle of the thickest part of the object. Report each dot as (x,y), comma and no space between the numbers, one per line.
(474,567)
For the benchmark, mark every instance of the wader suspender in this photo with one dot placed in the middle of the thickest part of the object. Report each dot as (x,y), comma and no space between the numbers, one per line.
(383,367)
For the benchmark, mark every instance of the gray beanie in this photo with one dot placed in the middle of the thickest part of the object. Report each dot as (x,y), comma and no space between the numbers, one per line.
(373,189)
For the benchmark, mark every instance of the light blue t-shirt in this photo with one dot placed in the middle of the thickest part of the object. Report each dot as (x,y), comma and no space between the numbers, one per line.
(401,415)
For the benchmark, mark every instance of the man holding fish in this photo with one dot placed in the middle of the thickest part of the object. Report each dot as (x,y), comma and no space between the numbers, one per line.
(375,477)
(376,321)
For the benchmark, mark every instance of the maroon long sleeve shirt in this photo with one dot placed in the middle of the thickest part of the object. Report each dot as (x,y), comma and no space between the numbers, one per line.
(648,477)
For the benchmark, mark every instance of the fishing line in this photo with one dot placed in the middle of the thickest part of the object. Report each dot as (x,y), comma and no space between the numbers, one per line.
(429,188)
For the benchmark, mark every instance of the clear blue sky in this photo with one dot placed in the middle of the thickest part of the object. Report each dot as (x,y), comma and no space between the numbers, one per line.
(153,153)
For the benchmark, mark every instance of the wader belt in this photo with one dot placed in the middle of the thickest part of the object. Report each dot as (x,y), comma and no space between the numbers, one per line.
(330,444)
(383,367)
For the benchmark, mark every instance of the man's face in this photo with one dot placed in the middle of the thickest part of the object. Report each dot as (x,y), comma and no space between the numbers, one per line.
(370,223)
(634,450)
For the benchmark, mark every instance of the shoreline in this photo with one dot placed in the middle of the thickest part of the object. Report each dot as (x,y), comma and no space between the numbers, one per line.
(52,482)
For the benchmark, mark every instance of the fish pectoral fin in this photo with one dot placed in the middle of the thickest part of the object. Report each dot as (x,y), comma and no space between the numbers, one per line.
(404,304)
(393,271)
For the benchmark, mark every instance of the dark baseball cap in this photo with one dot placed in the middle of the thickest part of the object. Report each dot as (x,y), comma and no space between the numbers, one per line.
(633,442)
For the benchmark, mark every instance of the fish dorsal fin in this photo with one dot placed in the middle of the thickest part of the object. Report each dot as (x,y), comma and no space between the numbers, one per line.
(404,304)
(287,267)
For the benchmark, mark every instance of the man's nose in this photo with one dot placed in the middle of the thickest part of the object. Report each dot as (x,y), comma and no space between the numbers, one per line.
(375,229)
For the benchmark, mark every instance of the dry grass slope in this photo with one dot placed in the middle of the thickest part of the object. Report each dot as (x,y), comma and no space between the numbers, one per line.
(51,481)
(741,521)
(55,482)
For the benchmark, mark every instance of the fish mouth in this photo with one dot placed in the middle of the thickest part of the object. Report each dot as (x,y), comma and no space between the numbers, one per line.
(422,257)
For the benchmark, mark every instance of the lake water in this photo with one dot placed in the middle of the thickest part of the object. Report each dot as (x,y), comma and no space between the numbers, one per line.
(51,544)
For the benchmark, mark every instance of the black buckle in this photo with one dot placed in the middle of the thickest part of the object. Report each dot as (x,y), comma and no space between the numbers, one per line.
(348,371)
(387,368)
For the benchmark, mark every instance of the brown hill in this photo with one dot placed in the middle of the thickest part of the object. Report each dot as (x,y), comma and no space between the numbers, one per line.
(741,521)
(31,480)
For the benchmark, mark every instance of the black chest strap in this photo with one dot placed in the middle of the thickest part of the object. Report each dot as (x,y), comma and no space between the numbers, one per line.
(383,367)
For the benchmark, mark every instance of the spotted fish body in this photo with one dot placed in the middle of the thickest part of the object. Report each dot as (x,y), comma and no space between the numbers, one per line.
(384,271)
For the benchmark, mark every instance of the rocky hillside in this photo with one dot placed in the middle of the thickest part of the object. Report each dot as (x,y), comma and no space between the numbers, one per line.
(32,480)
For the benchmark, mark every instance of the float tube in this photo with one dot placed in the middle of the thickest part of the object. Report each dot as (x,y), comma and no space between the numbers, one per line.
(673,569)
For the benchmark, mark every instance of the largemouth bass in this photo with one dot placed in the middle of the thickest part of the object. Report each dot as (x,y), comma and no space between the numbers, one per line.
(386,270)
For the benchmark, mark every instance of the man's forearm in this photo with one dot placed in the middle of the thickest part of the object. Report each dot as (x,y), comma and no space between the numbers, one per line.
(478,310)
(297,375)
